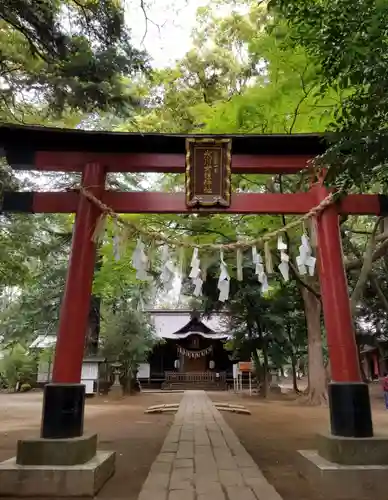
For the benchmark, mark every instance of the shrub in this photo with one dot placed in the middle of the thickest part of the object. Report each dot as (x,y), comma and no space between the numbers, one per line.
(25,388)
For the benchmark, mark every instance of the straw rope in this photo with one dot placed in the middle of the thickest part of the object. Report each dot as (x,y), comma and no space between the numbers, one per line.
(243,244)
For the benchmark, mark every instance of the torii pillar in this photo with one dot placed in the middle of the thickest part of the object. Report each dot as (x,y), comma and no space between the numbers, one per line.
(64,398)
(350,410)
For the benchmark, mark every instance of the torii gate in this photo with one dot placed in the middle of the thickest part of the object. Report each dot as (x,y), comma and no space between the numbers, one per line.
(97,153)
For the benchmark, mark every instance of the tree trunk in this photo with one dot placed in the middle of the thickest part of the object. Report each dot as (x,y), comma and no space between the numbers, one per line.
(93,334)
(257,373)
(264,390)
(294,375)
(328,370)
(363,374)
(127,383)
(49,363)
(293,360)
(317,379)
(302,368)
(256,360)
(264,372)
(93,331)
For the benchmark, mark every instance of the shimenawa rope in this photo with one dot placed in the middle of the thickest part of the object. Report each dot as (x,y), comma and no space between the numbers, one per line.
(172,242)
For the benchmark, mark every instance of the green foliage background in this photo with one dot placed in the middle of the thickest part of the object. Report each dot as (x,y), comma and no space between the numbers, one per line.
(292,67)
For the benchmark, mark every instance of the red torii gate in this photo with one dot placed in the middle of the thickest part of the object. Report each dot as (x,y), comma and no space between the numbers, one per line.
(97,153)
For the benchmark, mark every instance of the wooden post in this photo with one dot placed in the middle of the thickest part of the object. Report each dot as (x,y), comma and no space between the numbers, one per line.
(61,420)
(349,397)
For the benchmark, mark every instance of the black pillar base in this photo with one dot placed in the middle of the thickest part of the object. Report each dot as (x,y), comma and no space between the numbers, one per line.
(63,411)
(350,411)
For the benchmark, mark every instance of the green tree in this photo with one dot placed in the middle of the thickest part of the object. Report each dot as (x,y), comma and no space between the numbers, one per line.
(127,337)
(348,46)
(46,358)
(218,66)
(43,244)
(266,327)
(17,366)
(66,55)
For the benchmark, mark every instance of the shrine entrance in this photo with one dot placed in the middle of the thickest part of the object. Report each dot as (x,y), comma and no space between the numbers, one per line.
(194,357)
(208,190)
(194,365)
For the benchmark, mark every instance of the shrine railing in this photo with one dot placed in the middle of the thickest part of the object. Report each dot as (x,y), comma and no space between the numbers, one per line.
(195,377)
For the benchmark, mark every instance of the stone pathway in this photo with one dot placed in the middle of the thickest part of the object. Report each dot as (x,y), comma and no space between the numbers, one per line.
(203,459)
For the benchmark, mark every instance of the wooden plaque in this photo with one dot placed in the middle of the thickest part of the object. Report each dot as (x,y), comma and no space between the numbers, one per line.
(208,172)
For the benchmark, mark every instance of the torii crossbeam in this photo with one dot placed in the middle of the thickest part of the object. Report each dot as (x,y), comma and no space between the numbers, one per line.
(95,154)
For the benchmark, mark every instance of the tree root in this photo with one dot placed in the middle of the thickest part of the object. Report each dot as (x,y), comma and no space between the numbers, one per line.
(314,398)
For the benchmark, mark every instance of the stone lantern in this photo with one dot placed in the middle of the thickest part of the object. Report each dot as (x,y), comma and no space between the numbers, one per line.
(116,389)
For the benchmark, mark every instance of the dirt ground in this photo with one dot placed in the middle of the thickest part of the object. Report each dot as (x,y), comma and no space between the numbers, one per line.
(277,428)
(271,434)
(121,426)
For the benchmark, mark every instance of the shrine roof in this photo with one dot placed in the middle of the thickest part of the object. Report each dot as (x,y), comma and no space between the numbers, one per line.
(179,324)
(44,342)
(39,138)
(47,341)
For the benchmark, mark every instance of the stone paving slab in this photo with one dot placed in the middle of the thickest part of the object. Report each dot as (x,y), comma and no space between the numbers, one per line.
(202,459)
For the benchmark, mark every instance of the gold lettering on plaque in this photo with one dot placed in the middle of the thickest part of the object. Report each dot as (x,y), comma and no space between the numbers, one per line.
(208,172)
(207,167)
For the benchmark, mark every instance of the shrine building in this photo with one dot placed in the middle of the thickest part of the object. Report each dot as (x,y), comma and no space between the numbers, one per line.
(190,352)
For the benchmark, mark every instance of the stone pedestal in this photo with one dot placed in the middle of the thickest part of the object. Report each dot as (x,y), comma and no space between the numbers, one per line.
(116,391)
(354,451)
(62,462)
(74,451)
(56,468)
(275,389)
(55,481)
(347,467)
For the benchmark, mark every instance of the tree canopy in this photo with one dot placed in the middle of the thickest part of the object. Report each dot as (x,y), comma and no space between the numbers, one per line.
(66,55)
(348,42)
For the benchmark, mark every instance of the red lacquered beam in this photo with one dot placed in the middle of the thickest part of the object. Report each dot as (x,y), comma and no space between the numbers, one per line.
(360,204)
(244,203)
(55,202)
(173,163)
(269,164)
(154,202)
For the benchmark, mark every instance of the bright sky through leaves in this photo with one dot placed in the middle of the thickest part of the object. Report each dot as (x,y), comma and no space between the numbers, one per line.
(167,31)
